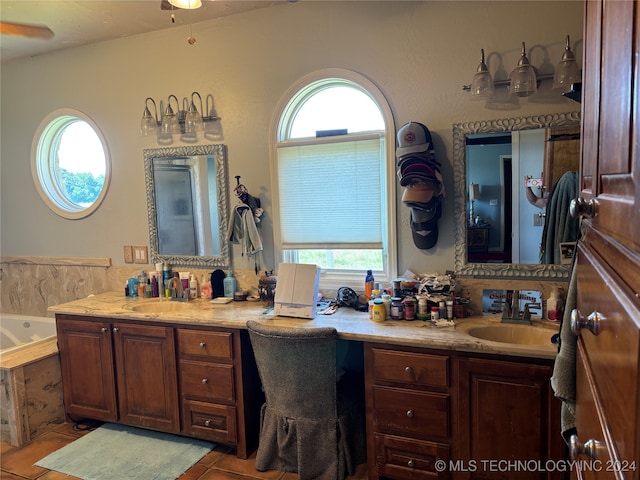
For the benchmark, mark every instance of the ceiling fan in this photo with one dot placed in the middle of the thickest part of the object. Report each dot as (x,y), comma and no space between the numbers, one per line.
(25,30)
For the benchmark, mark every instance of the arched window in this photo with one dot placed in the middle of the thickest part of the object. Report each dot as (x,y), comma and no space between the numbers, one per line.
(334,178)
(70,164)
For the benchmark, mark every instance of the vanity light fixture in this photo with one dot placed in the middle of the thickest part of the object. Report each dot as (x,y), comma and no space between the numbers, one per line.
(474,194)
(523,80)
(186,4)
(187,122)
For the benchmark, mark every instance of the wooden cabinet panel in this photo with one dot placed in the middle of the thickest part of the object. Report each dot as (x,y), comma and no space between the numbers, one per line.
(210,421)
(411,368)
(211,382)
(405,459)
(86,360)
(146,376)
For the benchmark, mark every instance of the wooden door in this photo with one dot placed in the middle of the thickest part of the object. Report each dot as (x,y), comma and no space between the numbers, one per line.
(86,360)
(508,420)
(147,376)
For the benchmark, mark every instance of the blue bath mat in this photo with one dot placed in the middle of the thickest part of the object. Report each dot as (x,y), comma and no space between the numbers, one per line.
(126,453)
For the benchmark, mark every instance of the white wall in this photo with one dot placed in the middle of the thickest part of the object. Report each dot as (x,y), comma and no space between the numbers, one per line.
(419,53)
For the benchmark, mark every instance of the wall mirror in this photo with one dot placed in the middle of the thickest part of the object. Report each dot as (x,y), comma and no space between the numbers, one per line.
(498,231)
(187,205)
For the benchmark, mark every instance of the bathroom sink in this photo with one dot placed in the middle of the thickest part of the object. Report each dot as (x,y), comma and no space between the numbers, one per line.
(161,307)
(515,334)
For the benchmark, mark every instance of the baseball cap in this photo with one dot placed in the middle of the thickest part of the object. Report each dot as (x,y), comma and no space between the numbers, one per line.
(424,223)
(413,137)
(420,192)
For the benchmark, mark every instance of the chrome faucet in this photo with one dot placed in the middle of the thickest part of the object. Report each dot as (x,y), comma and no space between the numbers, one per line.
(511,312)
(176,289)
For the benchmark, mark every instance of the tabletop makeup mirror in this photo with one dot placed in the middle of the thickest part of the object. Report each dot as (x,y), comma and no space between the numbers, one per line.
(498,229)
(187,205)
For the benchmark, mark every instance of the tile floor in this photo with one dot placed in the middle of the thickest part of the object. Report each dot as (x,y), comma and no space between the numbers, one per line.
(220,464)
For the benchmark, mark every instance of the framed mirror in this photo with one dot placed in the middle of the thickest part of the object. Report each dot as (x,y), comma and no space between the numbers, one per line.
(188,205)
(473,233)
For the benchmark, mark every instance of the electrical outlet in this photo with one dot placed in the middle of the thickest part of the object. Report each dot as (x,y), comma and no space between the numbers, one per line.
(537,220)
(128,254)
(140,255)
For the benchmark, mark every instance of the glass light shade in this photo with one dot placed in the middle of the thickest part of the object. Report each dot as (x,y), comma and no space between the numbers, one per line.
(567,71)
(170,122)
(523,80)
(187,4)
(193,120)
(482,84)
(148,125)
(474,191)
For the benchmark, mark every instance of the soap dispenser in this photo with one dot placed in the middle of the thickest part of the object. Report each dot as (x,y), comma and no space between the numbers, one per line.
(229,284)
(555,305)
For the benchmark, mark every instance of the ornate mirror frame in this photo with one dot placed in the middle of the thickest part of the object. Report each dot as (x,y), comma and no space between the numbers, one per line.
(460,200)
(219,152)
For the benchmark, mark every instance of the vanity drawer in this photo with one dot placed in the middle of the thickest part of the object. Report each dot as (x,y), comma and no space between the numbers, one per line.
(210,381)
(411,368)
(402,458)
(411,412)
(209,421)
(205,344)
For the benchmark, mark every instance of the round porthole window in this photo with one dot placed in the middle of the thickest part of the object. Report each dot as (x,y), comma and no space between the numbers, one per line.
(70,164)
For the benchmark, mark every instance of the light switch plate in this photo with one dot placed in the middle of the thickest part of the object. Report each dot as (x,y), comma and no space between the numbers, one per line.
(128,254)
(140,255)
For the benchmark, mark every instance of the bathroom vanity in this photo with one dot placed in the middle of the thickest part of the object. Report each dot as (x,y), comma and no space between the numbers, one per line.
(433,393)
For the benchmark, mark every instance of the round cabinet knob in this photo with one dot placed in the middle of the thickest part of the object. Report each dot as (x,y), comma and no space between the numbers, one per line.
(591,323)
(588,448)
(115,329)
(202,345)
(580,207)
(207,423)
(205,381)
(410,413)
(104,329)
(411,463)
(408,369)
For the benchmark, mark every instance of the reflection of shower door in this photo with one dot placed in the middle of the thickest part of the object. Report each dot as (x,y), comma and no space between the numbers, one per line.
(175,217)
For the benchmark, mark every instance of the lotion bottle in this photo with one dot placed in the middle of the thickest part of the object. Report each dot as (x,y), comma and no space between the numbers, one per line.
(205,287)
(229,285)
(193,287)
(555,305)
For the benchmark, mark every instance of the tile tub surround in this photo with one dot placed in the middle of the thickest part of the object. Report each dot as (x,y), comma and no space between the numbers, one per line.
(31,390)
(351,325)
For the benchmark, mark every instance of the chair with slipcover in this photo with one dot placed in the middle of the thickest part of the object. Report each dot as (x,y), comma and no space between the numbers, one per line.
(311,423)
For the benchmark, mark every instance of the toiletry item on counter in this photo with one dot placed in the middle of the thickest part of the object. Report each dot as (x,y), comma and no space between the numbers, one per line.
(142,283)
(397,310)
(449,304)
(193,287)
(435,314)
(133,286)
(155,291)
(205,288)
(378,312)
(368,284)
(166,276)
(555,305)
(229,285)
(217,283)
(386,300)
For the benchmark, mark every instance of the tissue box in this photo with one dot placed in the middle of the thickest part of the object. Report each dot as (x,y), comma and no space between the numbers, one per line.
(297,290)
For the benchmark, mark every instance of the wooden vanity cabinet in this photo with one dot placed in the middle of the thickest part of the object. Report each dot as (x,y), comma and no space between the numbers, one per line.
(198,382)
(116,364)
(425,407)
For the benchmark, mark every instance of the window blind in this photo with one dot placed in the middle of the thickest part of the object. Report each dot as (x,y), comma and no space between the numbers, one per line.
(330,193)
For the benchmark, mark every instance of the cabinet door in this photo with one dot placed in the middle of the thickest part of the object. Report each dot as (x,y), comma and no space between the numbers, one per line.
(146,375)
(507,414)
(611,115)
(86,360)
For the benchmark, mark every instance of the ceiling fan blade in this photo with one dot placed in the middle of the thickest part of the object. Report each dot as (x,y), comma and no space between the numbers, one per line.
(25,30)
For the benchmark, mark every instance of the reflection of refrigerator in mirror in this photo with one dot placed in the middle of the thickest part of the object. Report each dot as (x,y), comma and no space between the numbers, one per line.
(174,211)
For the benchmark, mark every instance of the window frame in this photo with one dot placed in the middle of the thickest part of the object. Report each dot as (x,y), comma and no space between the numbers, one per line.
(43,169)
(281,123)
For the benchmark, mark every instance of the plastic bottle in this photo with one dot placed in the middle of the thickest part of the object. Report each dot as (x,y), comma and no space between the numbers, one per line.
(555,305)
(386,300)
(166,276)
(142,283)
(155,291)
(229,285)
(193,287)
(205,287)
(378,313)
(368,284)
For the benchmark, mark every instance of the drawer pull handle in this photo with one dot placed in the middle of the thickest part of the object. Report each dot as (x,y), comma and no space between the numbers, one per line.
(588,448)
(205,381)
(202,345)
(410,413)
(580,207)
(591,323)
(104,329)
(408,369)
(115,329)
(411,463)
(207,423)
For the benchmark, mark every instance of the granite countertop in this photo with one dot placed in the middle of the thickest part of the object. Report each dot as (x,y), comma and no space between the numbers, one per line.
(350,324)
